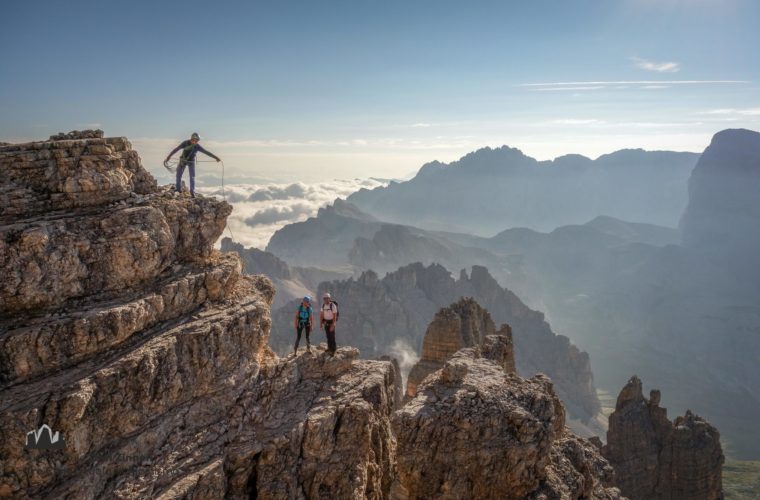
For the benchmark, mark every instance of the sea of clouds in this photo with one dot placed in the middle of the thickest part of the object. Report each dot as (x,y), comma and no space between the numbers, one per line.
(261,209)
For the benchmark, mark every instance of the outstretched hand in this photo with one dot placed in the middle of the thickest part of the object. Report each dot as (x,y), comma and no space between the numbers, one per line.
(218,160)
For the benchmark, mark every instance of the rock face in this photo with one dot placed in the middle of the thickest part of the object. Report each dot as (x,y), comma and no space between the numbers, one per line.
(315,427)
(390,316)
(723,206)
(147,351)
(656,459)
(463,324)
(475,431)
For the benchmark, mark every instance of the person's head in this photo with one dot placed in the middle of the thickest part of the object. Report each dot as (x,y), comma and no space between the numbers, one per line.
(306,301)
(195,138)
(326,298)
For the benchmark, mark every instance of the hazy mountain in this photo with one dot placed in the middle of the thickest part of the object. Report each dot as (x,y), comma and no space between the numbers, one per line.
(290,282)
(343,237)
(492,189)
(685,315)
(629,294)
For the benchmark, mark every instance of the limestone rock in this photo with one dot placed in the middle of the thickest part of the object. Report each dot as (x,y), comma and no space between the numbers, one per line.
(475,431)
(657,459)
(462,324)
(124,331)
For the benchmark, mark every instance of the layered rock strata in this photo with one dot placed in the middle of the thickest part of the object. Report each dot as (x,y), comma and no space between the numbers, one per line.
(147,351)
(462,324)
(655,458)
(475,431)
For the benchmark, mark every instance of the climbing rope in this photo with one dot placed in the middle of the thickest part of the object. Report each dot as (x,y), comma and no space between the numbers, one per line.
(224,195)
(171,166)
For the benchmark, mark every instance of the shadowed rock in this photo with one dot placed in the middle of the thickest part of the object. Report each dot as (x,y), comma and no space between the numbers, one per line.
(462,324)
(657,459)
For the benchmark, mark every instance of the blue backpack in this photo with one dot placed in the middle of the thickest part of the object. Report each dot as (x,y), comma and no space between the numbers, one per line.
(304,313)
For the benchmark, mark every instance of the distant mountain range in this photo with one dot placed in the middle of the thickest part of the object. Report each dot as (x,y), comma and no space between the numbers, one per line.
(492,189)
(678,305)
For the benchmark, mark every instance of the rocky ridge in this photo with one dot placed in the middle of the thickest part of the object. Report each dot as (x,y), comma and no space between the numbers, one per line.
(124,331)
(655,458)
(476,431)
(390,316)
(463,324)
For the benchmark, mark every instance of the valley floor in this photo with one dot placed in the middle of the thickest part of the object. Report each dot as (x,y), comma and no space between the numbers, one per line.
(741,480)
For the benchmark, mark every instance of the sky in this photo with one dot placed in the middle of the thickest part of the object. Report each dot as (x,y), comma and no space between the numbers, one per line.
(290,91)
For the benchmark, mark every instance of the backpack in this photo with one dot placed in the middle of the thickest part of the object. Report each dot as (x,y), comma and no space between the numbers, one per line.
(337,309)
(304,313)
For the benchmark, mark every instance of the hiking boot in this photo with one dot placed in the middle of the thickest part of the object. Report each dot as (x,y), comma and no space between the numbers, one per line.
(308,348)
(192,195)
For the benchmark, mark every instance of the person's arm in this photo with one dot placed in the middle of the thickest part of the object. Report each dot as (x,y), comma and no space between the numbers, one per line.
(181,145)
(321,317)
(208,153)
(295,321)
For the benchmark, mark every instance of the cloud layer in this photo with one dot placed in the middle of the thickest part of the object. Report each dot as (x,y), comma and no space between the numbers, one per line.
(261,209)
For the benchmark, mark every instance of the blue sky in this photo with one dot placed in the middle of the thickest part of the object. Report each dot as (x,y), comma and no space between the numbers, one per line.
(309,90)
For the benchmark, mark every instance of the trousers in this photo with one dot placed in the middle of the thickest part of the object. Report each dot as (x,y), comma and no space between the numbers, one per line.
(330,332)
(181,170)
(302,327)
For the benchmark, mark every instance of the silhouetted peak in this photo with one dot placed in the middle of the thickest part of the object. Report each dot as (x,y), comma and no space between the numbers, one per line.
(429,168)
(343,208)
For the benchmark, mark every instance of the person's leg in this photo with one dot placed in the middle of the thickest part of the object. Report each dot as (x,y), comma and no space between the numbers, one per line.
(191,167)
(298,338)
(331,346)
(308,340)
(180,171)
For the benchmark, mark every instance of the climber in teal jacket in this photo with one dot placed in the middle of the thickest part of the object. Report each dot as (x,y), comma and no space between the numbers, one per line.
(187,158)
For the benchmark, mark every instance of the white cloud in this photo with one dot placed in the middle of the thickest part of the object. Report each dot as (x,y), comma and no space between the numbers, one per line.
(575,121)
(732,111)
(660,67)
(422,125)
(580,87)
(594,85)
(259,210)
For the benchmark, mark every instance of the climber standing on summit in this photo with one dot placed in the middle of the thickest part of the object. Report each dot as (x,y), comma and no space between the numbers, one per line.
(189,149)
(304,321)
(328,317)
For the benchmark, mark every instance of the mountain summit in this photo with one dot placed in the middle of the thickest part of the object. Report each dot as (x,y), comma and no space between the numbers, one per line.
(489,190)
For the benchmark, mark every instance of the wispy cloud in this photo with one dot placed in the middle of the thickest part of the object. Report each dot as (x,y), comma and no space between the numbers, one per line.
(732,111)
(577,121)
(622,84)
(632,82)
(422,125)
(580,87)
(604,124)
(660,67)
